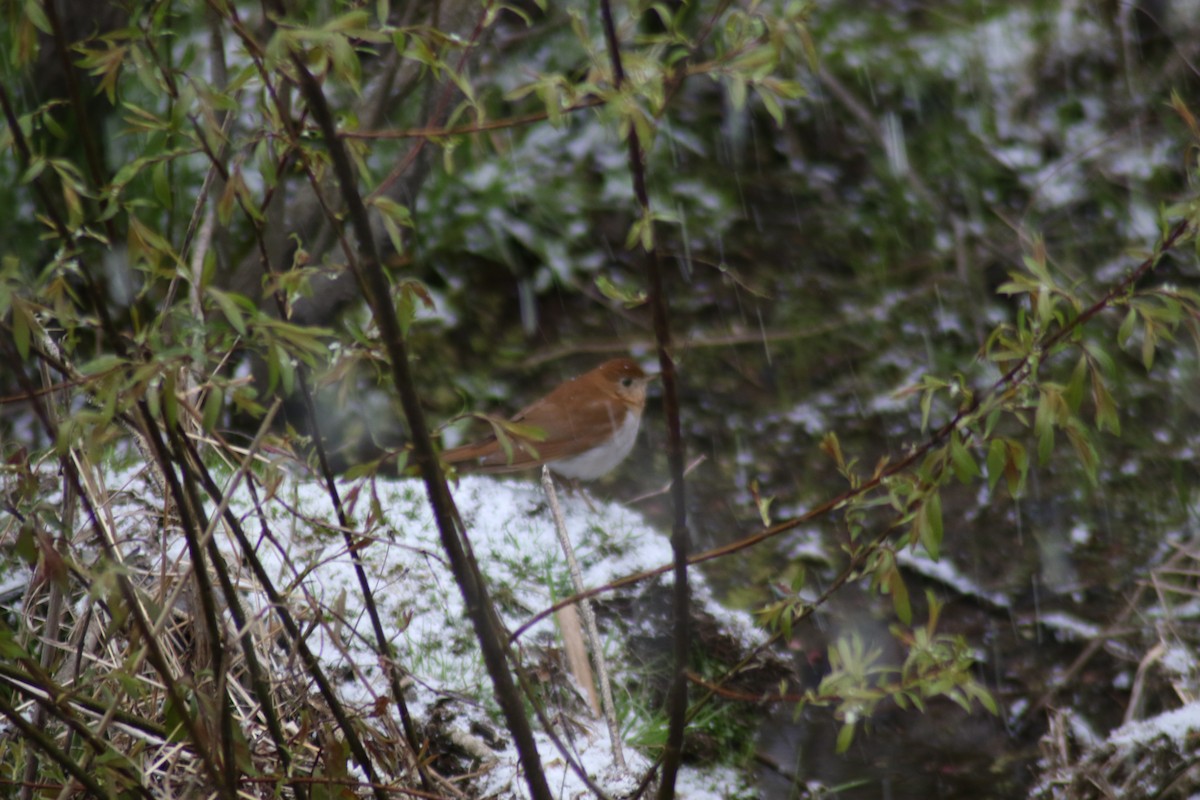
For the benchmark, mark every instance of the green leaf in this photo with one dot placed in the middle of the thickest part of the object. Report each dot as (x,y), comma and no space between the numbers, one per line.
(305,342)
(274,355)
(26,544)
(989,426)
(229,307)
(74,205)
(926,406)
(931,530)
(772,105)
(1106,407)
(762,503)
(997,458)
(170,402)
(1084,450)
(212,408)
(985,698)
(395,216)
(1044,306)
(36,165)
(641,232)
(629,298)
(101,364)
(521,430)
(1020,284)
(965,468)
(1043,425)
(1101,358)
(161,182)
(10,648)
(900,600)
(287,373)
(1016,467)
(406,311)
(831,447)
(1126,329)
(21,325)
(32,10)
(226,202)
(1149,342)
(845,737)
(174,720)
(1073,395)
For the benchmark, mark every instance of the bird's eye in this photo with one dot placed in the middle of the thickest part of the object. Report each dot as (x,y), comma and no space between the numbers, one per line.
(627,382)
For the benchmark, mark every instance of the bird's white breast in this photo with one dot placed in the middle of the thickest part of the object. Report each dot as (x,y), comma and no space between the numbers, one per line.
(591,464)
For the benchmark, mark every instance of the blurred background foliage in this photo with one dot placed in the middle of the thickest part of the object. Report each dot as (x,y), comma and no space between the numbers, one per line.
(831,239)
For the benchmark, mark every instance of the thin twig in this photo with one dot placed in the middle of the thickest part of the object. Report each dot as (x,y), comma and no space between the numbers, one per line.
(676,701)
(375,287)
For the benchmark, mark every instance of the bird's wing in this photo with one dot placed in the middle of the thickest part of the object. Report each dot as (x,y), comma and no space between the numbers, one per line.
(569,421)
(572,421)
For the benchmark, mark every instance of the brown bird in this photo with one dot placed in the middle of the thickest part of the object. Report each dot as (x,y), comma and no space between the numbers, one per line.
(584,428)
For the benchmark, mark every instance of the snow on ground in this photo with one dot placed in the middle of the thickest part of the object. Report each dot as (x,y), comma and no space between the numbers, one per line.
(1177,726)
(512,536)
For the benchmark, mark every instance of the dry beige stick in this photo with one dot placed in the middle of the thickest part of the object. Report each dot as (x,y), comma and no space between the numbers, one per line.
(576,650)
(589,619)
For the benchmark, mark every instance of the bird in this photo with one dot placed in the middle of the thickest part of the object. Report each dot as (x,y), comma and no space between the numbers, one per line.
(581,430)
